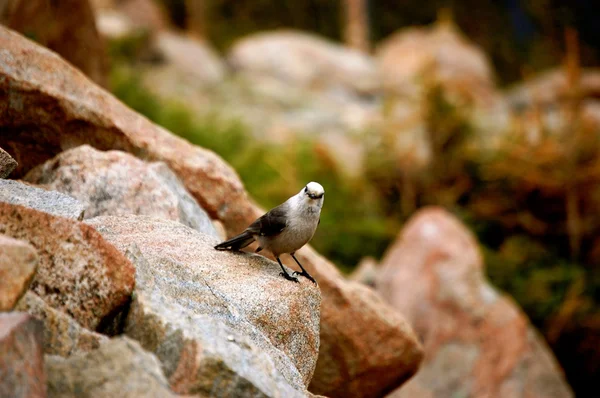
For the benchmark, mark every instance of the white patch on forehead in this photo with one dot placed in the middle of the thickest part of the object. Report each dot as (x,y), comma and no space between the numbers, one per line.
(315,187)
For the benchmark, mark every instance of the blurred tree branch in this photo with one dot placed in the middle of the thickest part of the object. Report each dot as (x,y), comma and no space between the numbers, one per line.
(356,26)
(196,17)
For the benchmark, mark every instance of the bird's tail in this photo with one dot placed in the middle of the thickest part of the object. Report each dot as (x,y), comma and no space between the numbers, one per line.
(237,242)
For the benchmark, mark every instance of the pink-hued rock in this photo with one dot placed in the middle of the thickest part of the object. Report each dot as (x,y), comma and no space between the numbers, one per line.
(140,14)
(40,98)
(78,271)
(304,60)
(46,107)
(439,54)
(66,26)
(117,183)
(22,372)
(18,261)
(62,334)
(477,341)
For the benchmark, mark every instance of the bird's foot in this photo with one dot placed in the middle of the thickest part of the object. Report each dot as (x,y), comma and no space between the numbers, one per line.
(289,277)
(306,275)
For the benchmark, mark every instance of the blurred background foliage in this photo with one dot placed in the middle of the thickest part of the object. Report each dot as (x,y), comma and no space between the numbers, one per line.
(531,30)
(534,206)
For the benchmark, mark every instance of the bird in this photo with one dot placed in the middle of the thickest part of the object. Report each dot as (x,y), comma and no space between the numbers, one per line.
(285,228)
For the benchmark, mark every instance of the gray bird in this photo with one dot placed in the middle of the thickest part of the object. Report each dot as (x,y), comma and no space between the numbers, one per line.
(285,228)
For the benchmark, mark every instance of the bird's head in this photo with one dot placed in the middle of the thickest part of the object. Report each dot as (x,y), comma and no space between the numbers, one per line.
(313,190)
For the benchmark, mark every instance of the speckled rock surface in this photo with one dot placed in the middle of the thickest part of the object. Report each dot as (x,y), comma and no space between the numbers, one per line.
(18,262)
(7,164)
(22,372)
(477,342)
(44,95)
(117,183)
(120,368)
(203,311)
(78,271)
(62,334)
(56,203)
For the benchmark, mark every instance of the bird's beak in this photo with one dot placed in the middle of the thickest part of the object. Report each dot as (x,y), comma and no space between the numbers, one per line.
(312,196)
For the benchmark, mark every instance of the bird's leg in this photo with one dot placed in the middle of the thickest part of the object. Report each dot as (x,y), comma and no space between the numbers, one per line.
(284,273)
(303,273)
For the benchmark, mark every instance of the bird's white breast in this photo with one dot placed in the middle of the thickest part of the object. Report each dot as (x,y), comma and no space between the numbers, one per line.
(297,233)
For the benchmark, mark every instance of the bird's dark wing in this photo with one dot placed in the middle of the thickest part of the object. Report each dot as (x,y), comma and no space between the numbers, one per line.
(271,223)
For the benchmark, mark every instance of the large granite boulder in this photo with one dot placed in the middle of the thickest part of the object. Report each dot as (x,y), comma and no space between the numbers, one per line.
(477,341)
(117,183)
(216,317)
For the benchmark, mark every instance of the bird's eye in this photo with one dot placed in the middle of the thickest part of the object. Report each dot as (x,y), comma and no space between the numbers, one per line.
(305,189)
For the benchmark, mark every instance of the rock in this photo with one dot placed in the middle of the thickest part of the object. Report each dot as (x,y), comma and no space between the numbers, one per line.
(552,87)
(7,164)
(22,372)
(117,183)
(38,105)
(365,272)
(542,103)
(114,25)
(62,334)
(203,311)
(423,67)
(51,202)
(78,271)
(477,341)
(119,368)
(351,363)
(18,262)
(346,153)
(304,60)
(67,27)
(139,14)
(192,58)
(38,122)
(413,56)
